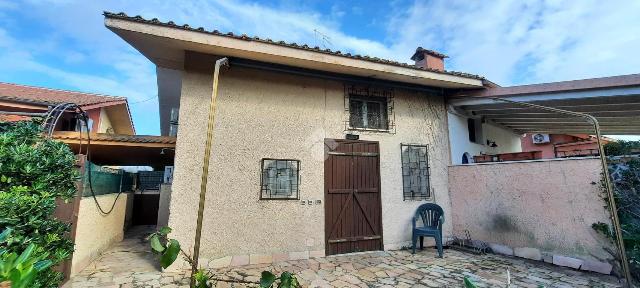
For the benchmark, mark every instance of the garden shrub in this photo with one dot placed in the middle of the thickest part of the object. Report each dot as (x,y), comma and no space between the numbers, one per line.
(625,176)
(34,172)
(621,147)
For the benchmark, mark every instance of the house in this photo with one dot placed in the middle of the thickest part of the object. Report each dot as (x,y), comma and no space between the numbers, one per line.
(113,143)
(107,114)
(283,168)
(319,152)
(613,100)
(562,145)
(473,136)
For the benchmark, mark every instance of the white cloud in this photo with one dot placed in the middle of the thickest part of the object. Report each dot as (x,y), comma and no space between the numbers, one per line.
(514,42)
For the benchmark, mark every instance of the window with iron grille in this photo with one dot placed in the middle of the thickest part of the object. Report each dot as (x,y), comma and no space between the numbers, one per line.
(280,179)
(369,108)
(368,113)
(415,172)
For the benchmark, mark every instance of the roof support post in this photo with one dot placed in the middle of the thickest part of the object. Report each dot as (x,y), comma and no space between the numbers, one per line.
(605,174)
(205,167)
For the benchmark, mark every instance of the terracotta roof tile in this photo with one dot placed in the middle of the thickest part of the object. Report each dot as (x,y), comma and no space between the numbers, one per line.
(317,49)
(13,118)
(47,96)
(116,138)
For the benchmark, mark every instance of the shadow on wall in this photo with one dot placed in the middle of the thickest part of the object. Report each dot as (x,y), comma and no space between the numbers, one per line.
(547,205)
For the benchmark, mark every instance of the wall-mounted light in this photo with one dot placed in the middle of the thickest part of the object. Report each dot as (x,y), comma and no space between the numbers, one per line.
(352,137)
(163,149)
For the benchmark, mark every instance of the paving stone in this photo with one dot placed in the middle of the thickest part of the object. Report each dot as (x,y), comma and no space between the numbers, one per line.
(240,260)
(316,253)
(260,259)
(567,261)
(125,266)
(501,249)
(547,257)
(280,257)
(528,253)
(220,262)
(299,255)
(596,266)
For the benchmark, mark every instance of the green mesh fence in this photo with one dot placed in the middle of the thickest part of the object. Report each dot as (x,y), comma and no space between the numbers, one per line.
(106,181)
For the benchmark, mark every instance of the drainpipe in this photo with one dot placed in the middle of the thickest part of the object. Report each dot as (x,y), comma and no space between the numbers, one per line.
(605,173)
(205,167)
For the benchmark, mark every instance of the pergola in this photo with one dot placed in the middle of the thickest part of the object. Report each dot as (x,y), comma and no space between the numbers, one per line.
(123,150)
(614,101)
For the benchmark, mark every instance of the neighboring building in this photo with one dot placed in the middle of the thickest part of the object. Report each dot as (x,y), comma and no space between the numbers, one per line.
(315,152)
(107,114)
(562,145)
(471,137)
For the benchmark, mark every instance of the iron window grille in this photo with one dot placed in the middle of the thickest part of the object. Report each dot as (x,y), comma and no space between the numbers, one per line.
(369,109)
(415,172)
(280,179)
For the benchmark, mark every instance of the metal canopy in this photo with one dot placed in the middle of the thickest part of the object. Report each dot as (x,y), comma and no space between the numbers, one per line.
(616,106)
(123,150)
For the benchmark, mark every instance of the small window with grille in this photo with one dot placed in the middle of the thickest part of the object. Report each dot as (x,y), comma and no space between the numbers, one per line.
(415,172)
(368,113)
(280,179)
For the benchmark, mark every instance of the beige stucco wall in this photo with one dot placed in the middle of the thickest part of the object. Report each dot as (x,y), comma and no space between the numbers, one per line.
(97,232)
(549,205)
(105,122)
(265,114)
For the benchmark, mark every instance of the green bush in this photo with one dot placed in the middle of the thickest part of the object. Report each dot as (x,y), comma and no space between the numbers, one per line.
(625,176)
(621,147)
(21,271)
(34,171)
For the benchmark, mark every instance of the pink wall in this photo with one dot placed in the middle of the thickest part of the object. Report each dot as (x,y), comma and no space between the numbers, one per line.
(545,204)
(547,148)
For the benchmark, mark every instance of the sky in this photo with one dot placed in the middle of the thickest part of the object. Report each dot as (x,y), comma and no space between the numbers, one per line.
(63,44)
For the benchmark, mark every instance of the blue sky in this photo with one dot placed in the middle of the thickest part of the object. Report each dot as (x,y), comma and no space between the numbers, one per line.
(64,44)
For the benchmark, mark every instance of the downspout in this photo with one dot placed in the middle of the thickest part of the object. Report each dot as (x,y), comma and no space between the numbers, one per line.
(205,167)
(605,173)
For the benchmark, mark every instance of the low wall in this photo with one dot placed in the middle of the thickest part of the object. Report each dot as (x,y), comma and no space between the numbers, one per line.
(548,205)
(163,206)
(97,232)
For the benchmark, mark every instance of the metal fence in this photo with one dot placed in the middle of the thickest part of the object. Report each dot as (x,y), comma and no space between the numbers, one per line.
(106,180)
(150,180)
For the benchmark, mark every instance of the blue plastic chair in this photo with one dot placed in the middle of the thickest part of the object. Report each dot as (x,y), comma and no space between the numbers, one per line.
(432,218)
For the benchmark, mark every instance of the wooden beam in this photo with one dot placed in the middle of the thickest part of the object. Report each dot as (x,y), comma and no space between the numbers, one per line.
(575,108)
(612,114)
(118,143)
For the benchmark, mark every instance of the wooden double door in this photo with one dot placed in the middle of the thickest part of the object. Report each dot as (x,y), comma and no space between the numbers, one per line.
(353,207)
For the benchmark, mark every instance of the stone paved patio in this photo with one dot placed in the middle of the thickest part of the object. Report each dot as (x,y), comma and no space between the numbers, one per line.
(129,264)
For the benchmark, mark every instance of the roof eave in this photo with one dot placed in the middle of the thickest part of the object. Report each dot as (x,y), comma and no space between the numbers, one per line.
(165,46)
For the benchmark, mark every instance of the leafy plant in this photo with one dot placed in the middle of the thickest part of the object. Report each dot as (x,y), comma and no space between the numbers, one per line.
(34,172)
(625,176)
(202,279)
(168,249)
(468,283)
(621,147)
(603,228)
(20,271)
(286,280)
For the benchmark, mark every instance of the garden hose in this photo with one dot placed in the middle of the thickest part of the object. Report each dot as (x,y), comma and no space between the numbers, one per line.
(49,124)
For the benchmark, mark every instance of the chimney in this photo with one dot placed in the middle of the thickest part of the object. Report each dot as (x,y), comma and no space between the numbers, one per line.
(429,59)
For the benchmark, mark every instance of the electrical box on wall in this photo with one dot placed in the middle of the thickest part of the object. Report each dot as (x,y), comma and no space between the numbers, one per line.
(540,138)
